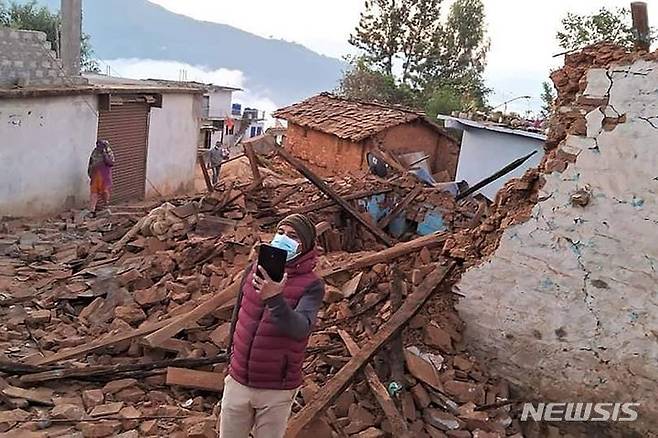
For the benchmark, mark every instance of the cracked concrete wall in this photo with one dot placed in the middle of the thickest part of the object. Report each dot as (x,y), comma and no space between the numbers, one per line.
(567,307)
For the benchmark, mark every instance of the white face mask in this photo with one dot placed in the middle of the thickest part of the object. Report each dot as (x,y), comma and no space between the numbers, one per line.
(290,246)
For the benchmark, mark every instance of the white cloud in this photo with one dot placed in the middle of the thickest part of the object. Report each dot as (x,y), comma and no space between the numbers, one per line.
(174,70)
(522,32)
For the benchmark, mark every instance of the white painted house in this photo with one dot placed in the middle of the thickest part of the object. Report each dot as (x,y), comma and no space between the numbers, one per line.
(485,149)
(47,133)
(217,115)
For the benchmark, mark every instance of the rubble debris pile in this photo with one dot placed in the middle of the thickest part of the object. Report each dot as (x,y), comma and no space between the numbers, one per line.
(119,324)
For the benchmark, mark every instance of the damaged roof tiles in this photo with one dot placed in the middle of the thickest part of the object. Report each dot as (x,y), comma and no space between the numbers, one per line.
(349,119)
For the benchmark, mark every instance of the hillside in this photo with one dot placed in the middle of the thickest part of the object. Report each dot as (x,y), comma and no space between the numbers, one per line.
(284,71)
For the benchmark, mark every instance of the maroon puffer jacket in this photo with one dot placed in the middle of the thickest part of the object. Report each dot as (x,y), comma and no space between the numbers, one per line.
(261,355)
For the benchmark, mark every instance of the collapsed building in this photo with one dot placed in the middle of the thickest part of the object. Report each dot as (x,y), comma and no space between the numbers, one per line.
(118,326)
(568,311)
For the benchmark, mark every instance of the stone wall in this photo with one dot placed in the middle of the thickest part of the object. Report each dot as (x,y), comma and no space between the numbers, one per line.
(27,60)
(566,306)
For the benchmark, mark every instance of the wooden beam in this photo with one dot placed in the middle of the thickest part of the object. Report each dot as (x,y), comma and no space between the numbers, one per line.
(194,379)
(164,333)
(398,424)
(396,346)
(399,250)
(341,380)
(324,188)
(324,204)
(96,372)
(100,344)
(399,208)
(27,394)
(204,170)
(388,159)
(253,161)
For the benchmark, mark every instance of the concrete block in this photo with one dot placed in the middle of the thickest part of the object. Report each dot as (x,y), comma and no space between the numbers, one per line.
(598,83)
(594,123)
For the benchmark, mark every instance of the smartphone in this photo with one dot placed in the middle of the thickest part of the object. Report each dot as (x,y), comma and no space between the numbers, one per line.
(273,260)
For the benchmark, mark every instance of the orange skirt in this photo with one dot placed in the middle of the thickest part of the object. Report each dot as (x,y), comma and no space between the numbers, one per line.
(97,185)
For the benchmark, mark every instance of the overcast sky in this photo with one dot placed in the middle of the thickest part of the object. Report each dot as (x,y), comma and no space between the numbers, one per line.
(522,32)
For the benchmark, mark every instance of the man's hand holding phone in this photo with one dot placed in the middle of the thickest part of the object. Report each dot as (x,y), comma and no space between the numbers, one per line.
(265,286)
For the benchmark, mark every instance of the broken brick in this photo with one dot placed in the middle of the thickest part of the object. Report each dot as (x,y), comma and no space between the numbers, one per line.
(360,419)
(153,295)
(132,314)
(39,316)
(67,412)
(220,335)
(92,398)
(105,410)
(343,403)
(99,429)
(435,336)
(117,385)
(441,420)
(422,369)
(130,395)
(421,397)
(371,432)
(462,363)
(465,392)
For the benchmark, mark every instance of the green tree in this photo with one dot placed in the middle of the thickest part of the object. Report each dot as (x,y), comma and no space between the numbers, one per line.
(409,54)
(548,97)
(458,54)
(606,25)
(378,33)
(362,82)
(29,16)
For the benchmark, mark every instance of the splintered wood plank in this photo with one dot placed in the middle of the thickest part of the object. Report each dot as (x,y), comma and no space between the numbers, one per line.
(398,424)
(168,331)
(100,344)
(399,250)
(253,162)
(342,379)
(399,208)
(324,188)
(194,379)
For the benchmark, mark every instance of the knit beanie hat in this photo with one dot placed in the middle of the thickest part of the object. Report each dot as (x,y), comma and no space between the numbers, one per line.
(304,228)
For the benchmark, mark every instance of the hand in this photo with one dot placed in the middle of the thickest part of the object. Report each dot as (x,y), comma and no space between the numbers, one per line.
(266,287)
(253,255)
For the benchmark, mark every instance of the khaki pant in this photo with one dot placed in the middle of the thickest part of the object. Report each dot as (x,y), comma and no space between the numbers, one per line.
(264,412)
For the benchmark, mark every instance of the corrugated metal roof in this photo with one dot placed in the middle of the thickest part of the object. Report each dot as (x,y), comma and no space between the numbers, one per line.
(454,122)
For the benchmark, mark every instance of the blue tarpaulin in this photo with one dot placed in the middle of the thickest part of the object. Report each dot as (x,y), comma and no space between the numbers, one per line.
(379,206)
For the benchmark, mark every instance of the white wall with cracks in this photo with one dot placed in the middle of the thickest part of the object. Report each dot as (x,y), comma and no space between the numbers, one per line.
(567,307)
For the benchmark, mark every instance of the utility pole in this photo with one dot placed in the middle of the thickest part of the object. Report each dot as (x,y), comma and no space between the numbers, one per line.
(71,36)
(641,25)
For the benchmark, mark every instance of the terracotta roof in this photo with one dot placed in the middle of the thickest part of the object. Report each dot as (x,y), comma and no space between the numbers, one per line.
(349,119)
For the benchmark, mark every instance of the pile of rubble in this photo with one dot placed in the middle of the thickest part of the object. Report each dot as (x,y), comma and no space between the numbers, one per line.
(118,325)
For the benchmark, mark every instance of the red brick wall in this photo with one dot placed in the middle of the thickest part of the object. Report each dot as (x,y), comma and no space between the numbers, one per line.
(418,137)
(326,154)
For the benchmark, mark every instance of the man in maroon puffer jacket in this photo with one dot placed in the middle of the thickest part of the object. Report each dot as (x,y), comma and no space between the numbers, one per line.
(270,328)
